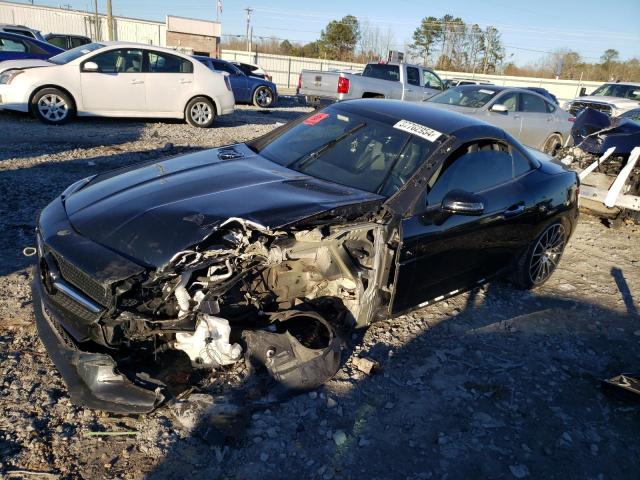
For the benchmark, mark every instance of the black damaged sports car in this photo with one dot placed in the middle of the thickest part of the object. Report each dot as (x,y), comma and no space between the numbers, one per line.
(265,251)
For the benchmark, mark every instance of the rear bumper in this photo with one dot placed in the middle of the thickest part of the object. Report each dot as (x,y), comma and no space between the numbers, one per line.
(319,102)
(91,378)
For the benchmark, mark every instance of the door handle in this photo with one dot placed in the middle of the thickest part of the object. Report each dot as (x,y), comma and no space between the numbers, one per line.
(183,81)
(137,82)
(513,211)
(516,116)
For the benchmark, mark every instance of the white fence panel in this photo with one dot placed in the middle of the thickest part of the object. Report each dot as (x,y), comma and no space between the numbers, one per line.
(285,71)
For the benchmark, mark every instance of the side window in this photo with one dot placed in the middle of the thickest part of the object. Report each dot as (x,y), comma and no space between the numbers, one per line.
(533,104)
(60,42)
(550,107)
(431,81)
(509,100)
(167,63)
(521,164)
(119,61)
(7,45)
(472,168)
(223,67)
(413,76)
(411,158)
(77,42)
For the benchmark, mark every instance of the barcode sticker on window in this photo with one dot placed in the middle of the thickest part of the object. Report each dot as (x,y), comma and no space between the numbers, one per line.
(419,130)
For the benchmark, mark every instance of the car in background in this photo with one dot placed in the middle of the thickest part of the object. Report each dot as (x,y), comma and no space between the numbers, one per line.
(66,42)
(253,70)
(116,79)
(18,47)
(357,213)
(455,82)
(545,93)
(612,99)
(531,118)
(246,89)
(22,30)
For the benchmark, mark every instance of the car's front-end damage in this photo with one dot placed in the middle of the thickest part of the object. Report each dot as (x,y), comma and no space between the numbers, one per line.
(244,292)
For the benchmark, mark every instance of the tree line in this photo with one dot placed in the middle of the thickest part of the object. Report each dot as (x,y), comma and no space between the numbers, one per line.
(446,43)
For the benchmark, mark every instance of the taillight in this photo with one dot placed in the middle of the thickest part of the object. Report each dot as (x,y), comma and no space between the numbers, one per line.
(343,85)
(299,81)
(227,82)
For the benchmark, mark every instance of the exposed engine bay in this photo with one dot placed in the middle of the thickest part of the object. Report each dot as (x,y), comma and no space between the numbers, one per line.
(276,299)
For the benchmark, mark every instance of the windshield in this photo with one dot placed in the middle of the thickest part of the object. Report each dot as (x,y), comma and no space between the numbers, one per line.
(70,55)
(465,96)
(618,90)
(342,147)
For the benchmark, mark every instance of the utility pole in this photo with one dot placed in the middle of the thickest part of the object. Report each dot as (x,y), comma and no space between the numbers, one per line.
(97,20)
(109,20)
(248,10)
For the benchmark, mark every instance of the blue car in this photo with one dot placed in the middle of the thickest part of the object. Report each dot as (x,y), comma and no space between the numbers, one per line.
(19,47)
(257,91)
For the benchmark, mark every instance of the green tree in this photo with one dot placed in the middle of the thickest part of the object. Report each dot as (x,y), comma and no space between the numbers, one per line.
(286,48)
(609,58)
(311,50)
(425,37)
(339,38)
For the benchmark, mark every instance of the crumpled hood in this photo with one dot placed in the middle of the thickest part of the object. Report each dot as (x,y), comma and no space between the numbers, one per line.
(151,211)
(22,64)
(622,103)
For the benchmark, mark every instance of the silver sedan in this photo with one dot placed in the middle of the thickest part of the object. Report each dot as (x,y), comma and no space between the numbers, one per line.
(527,116)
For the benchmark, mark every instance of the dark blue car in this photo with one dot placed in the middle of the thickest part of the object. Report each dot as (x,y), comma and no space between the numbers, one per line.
(18,47)
(257,91)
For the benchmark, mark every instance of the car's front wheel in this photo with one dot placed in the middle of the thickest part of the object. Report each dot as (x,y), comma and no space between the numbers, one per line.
(535,266)
(263,97)
(52,106)
(200,112)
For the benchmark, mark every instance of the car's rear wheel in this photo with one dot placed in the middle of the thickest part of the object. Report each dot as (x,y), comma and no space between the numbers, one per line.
(52,106)
(539,261)
(200,112)
(553,144)
(263,97)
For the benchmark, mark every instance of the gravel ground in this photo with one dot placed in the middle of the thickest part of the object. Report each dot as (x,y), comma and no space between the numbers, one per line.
(493,384)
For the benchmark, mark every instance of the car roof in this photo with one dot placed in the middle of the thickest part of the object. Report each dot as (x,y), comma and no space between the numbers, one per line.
(633,84)
(17,36)
(444,121)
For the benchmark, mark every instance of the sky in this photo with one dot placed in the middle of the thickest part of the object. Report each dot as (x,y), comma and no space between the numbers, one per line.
(530,29)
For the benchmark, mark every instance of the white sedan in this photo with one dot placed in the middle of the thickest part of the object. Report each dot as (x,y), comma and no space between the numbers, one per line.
(116,79)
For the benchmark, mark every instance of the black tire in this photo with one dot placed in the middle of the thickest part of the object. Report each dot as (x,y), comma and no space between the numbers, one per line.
(53,106)
(538,262)
(200,112)
(263,97)
(553,144)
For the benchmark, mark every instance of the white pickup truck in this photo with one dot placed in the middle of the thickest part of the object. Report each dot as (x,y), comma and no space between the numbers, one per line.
(399,81)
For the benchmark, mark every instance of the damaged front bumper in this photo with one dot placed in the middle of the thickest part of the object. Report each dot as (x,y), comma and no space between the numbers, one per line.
(92,379)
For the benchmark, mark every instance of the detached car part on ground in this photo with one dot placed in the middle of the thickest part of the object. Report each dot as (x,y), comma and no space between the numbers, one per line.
(116,79)
(265,251)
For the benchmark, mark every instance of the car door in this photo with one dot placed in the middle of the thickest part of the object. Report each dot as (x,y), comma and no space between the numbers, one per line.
(239,81)
(537,123)
(431,84)
(511,120)
(117,86)
(443,253)
(169,83)
(412,86)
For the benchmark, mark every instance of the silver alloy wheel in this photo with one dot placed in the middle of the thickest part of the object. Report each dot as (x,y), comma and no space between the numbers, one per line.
(264,97)
(201,113)
(553,145)
(53,107)
(546,254)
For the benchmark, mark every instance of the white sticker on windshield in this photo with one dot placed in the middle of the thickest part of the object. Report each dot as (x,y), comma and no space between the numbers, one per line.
(488,92)
(419,130)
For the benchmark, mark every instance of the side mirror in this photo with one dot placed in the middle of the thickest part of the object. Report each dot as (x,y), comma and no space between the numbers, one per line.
(459,202)
(90,67)
(499,108)
(583,92)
